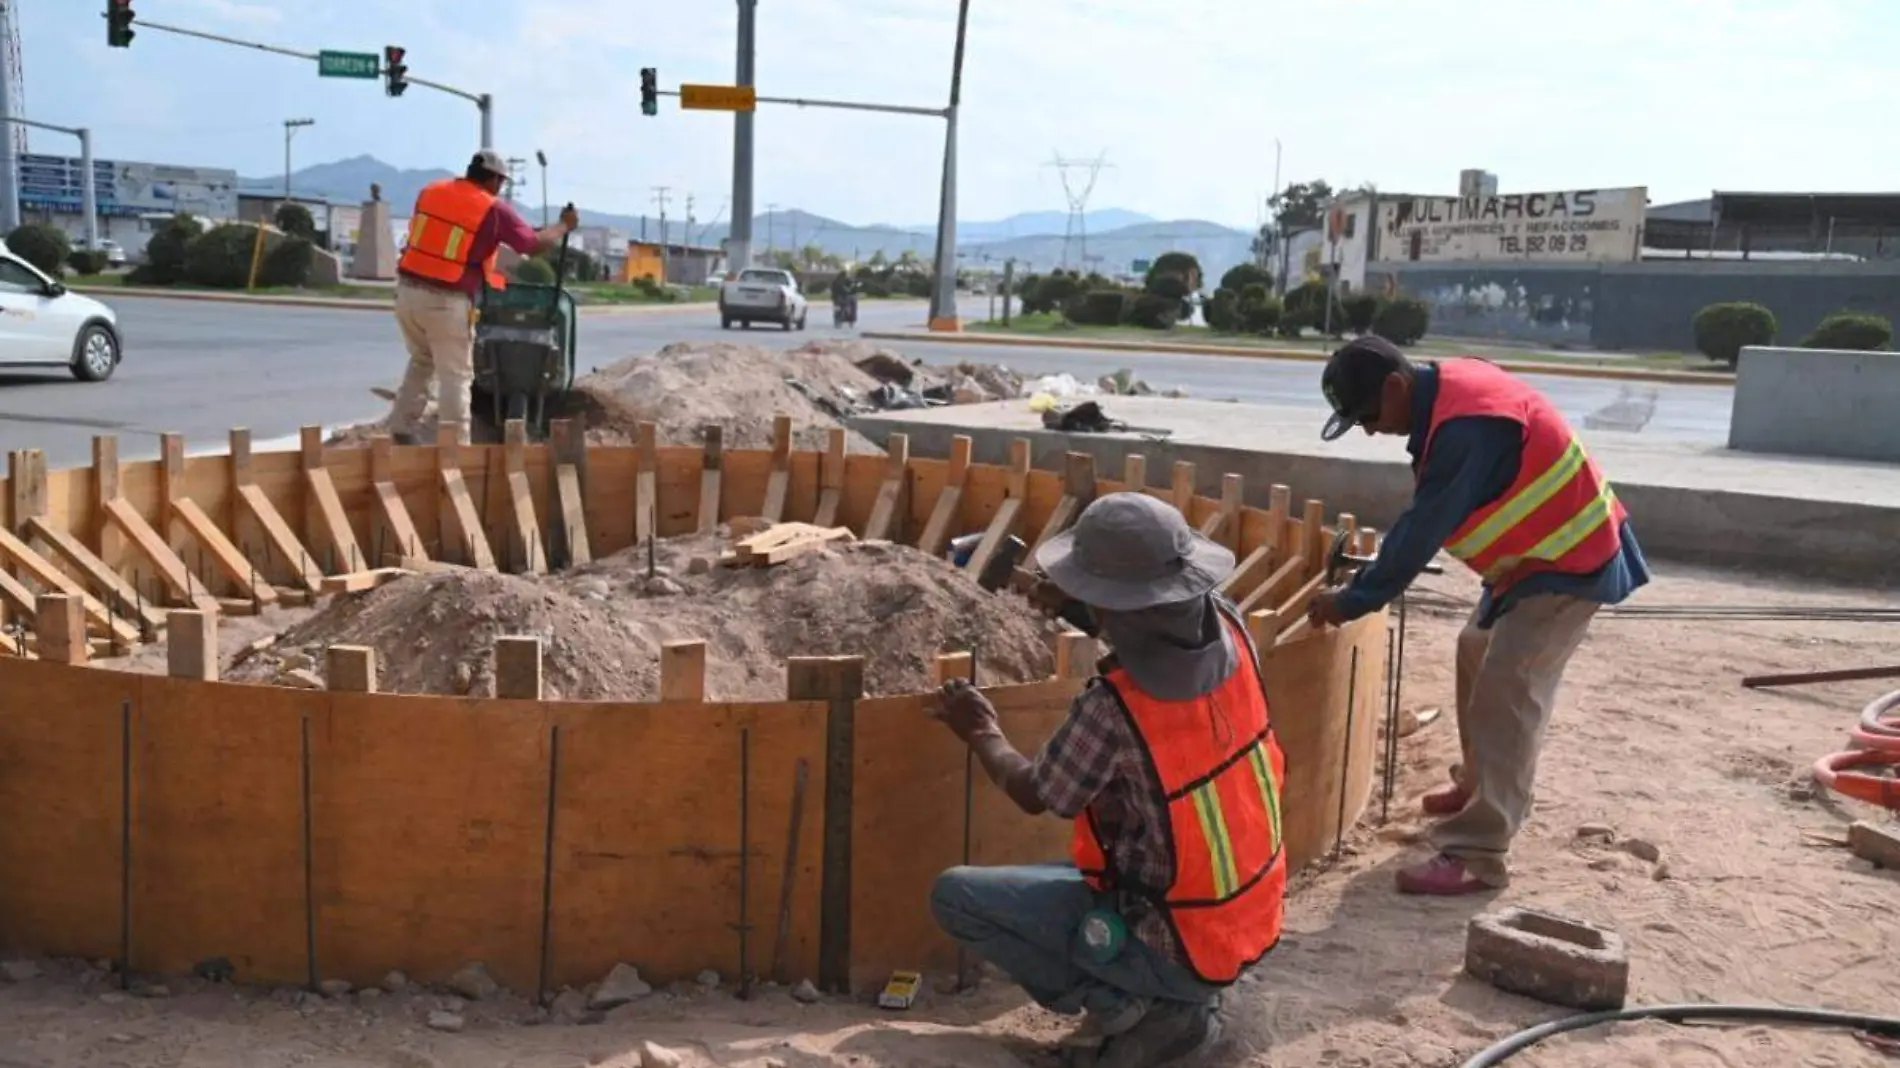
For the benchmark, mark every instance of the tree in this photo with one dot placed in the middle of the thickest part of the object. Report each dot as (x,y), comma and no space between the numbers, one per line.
(165,252)
(1302,205)
(1175,263)
(44,246)
(295,220)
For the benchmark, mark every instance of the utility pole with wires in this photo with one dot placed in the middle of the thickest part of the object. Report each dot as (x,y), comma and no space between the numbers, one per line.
(771,228)
(1078,184)
(687,238)
(659,197)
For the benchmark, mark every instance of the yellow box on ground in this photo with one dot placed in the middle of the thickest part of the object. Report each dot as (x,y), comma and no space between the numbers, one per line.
(719,97)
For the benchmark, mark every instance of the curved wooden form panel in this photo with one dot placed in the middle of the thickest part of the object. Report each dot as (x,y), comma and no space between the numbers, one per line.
(163,821)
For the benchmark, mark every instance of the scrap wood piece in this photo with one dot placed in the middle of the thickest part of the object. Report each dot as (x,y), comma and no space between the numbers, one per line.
(63,545)
(1803,678)
(461,523)
(252,503)
(1295,608)
(570,490)
(711,469)
(183,512)
(950,501)
(646,489)
(1248,573)
(1008,513)
(118,514)
(526,528)
(358,581)
(778,483)
(785,541)
(1223,526)
(323,509)
(1078,489)
(831,469)
(889,508)
(391,511)
(422,565)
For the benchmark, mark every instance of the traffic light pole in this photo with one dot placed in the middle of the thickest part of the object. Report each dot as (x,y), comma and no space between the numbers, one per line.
(88,193)
(483,102)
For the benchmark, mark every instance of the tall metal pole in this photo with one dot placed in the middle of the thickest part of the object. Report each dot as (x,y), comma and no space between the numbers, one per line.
(9,157)
(486,103)
(739,244)
(943,306)
(88,193)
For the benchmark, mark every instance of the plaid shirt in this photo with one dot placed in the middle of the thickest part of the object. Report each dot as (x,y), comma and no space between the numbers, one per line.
(1094,762)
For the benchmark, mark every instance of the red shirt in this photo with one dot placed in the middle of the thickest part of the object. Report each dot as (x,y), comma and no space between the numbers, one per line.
(504,226)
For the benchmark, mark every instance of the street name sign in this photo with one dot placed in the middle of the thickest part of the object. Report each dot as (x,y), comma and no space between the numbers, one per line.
(719,97)
(349,65)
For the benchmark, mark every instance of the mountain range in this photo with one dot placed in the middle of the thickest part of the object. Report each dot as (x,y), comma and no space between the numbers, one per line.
(1116,238)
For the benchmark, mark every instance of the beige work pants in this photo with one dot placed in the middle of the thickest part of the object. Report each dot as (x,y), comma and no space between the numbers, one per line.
(1507,687)
(439,330)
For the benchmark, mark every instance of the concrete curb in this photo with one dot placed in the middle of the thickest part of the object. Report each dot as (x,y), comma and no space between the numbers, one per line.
(350,303)
(1716,378)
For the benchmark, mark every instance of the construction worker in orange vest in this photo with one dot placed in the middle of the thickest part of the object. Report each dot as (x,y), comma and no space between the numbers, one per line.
(1170,770)
(1504,485)
(455,236)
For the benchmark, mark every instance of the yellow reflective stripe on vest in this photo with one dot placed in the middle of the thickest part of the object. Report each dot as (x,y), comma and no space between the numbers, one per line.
(1269,788)
(451,248)
(1564,538)
(1518,508)
(1219,848)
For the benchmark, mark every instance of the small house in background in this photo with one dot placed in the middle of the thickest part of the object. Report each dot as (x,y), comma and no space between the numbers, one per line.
(681,265)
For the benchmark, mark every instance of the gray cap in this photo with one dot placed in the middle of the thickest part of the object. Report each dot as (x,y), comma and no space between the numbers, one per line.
(490,160)
(1129,551)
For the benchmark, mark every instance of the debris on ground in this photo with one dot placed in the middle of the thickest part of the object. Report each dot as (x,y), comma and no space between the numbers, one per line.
(603,625)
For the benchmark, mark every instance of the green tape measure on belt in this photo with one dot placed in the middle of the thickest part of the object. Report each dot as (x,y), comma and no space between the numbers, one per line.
(1104,933)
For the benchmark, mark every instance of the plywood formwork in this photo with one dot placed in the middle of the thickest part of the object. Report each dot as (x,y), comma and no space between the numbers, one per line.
(308,835)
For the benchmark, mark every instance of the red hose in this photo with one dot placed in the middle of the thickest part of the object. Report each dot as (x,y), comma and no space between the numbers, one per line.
(1877,741)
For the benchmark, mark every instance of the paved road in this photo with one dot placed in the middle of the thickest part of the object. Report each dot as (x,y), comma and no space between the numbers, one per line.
(200,368)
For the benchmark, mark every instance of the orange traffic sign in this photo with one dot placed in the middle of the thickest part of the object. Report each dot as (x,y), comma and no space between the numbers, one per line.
(719,97)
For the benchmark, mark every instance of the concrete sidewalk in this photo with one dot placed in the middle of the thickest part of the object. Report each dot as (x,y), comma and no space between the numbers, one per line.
(1699,504)
(351,303)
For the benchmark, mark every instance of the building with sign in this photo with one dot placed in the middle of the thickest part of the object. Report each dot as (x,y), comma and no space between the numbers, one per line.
(132,198)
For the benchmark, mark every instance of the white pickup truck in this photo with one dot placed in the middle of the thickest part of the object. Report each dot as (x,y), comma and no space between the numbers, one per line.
(762,295)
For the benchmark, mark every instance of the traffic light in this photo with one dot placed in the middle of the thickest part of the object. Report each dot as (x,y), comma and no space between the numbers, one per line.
(119,18)
(649,91)
(395,70)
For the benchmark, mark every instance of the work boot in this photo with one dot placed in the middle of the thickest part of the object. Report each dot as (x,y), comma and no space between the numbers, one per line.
(1444,876)
(1099,1027)
(1449,800)
(1171,1033)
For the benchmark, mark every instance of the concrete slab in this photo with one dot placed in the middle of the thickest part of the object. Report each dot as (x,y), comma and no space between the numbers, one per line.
(1694,503)
(1817,402)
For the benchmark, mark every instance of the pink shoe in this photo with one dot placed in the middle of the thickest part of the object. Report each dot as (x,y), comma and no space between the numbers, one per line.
(1441,876)
(1448,801)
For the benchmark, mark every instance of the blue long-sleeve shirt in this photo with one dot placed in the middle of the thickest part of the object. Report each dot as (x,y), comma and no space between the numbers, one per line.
(1473,462)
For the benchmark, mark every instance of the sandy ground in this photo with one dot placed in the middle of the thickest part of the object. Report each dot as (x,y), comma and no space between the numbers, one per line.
(1655,739)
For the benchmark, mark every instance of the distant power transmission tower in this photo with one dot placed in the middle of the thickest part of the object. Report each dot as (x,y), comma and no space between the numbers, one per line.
(15,72)
(1078,184)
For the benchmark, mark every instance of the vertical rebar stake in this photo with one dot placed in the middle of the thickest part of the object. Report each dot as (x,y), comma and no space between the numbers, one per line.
(969,818)
(547,868)
(1391,739)
(1345,756)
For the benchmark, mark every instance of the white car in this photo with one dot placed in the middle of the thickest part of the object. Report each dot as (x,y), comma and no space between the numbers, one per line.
(115,253)
(43,324)
(762,295)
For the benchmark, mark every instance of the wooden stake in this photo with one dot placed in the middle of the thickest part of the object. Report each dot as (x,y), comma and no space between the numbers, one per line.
(461,524)
(350,668)
(1223,526)
(1078,489)
(891,507)
(778,483)
(327,523)
(1008,512)
(518,667)
(60,625)
(570,477)
(646,495)
(950,501)
(251,504)
(183,514)
(526,527)
(683,672)
(831,478)
(392,512)
(1183,489)
(712,460)
(191,644)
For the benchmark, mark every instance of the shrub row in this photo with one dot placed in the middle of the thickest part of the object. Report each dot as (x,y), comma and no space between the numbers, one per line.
(1723,330)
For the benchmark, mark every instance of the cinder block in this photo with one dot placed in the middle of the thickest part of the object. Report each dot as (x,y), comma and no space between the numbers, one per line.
(1876,844)
(1550,958)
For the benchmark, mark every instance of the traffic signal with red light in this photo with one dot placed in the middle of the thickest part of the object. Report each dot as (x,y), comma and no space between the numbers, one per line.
(119,18)
(395,70)
(649,91)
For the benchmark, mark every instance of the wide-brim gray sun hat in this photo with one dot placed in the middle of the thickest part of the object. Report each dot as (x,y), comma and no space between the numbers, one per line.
(1129,551)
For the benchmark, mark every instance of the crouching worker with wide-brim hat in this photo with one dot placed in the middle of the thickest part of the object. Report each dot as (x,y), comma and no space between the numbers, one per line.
(1169,768)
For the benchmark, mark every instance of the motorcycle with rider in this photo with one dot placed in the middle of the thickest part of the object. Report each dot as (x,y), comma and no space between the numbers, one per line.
(844,301)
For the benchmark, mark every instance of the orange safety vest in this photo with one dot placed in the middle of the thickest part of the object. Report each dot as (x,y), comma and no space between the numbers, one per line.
(442,230)
(1559,515)
(1221,773)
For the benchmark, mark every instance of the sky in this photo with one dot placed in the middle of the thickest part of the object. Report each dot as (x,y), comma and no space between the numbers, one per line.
(1193,102)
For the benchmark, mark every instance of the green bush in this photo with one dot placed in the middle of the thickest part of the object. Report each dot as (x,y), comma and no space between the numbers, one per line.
(1174,263)
(1308,303)
(534,271)
(1153,311)
(295,220)
(1242,275)
(1293,321)
(1174,286)
(221,256)
(1723,330)
(43,246)
(165,253)
(1851,331)
(1402,320)
(86,261)
(650,286)
(1260,310)
(1223,311)
(1055,290)
(287,262)
(1097,307)
(1361,310)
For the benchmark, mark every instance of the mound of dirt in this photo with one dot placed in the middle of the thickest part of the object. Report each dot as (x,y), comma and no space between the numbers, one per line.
(685,386)
(602,626)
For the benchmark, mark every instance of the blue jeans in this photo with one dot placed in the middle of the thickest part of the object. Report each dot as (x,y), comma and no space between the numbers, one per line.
(1028,921)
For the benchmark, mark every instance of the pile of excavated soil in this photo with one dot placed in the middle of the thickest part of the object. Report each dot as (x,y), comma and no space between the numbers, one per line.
(684,387)
(602,625)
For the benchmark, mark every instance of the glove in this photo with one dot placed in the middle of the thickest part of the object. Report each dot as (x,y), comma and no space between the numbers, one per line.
(570,218)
